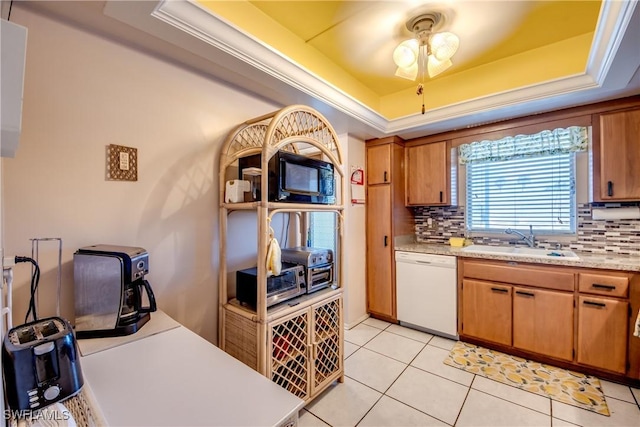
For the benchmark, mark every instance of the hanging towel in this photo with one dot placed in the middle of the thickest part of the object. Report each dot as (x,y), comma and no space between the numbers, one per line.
(636,332)
(274,262)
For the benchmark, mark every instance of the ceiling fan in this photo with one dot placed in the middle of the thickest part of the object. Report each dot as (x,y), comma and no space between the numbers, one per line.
(428,51)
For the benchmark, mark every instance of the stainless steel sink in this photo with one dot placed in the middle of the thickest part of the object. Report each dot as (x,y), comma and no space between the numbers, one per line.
(522,252)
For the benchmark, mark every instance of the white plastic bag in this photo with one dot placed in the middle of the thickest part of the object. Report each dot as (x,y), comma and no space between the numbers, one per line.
(274,261)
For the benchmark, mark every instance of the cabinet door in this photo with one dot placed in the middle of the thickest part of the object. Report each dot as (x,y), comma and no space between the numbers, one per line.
(602,333)
(543,322)
(326,343)
(428,178)
(379,164)
(380,284)
(289,349)
(619,156)
(486,311)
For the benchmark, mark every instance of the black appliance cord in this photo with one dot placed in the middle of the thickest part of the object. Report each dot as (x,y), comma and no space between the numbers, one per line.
(35,279)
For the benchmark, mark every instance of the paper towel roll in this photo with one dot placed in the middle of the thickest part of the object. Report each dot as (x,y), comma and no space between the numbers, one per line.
(629,212)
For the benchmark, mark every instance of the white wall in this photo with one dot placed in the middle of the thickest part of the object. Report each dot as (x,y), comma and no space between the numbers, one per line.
(355,242)
(83,92)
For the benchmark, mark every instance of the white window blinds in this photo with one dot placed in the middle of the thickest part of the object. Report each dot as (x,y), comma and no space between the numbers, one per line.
(322,230)
(537,191)
(521,181)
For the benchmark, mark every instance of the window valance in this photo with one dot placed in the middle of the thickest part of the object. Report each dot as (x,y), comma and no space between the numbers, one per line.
(547,142)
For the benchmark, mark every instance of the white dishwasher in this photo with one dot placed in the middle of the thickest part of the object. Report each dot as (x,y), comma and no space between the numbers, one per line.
(426,292)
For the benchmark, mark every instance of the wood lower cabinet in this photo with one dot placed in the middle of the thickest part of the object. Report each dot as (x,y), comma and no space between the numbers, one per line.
(543,322)
(486,311)
(578,318)
(305,348)
(602,333)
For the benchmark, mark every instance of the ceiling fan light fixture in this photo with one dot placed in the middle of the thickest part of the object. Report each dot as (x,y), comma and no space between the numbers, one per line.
(435,67)
(409,73)
(428,53)
(406,53)
(444,45)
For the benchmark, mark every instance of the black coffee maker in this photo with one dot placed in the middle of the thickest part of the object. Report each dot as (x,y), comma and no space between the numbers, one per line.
(108,286)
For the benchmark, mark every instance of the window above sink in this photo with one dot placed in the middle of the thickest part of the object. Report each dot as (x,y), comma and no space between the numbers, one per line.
(522,181)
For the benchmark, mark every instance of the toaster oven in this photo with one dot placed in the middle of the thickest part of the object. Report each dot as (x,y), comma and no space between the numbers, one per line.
(288,284)
(318,265)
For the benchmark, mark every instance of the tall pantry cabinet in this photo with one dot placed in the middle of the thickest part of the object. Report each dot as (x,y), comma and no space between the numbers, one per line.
(386,218)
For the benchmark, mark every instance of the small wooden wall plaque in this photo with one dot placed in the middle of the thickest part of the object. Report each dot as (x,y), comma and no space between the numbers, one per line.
(122,163)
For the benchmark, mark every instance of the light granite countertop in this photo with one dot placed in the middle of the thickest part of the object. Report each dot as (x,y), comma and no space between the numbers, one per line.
(587,259)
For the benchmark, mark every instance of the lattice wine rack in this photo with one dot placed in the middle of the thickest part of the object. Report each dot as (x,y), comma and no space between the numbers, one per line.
(289,354)
(327,341)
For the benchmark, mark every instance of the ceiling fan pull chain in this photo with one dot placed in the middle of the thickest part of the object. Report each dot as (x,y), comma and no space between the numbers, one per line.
(420,91)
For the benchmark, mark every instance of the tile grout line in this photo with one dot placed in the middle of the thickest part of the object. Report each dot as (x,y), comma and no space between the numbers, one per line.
(550,414)
(465,400)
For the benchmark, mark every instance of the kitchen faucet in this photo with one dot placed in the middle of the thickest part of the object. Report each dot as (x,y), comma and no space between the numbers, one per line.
(530,239)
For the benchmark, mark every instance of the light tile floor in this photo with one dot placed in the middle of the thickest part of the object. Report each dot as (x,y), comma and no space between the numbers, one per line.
(394,376)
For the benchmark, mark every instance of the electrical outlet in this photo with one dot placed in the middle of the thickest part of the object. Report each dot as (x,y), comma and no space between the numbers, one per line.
(8,261)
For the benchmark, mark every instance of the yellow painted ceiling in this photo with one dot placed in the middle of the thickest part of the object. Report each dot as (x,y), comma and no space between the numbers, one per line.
(503,44)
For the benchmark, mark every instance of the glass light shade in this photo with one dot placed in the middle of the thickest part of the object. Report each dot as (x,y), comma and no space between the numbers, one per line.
(409,73)
(444,45)
(406,54)
(435,67)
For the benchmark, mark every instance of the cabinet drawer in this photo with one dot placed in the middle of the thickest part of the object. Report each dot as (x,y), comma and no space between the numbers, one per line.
(604,284)
(540,277)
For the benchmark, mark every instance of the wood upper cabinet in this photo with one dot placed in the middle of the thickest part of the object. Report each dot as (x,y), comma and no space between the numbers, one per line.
(428,177)
(616,156)
(603,333)
(380,272)
(486,311)
(379,164)
(543,322)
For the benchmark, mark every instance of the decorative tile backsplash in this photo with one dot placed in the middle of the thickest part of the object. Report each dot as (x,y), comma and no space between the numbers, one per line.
(596,236)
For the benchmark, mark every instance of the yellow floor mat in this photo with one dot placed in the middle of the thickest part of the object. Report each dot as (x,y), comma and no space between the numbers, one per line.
(565,386)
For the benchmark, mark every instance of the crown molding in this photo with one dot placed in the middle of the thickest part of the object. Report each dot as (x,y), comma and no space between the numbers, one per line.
(190,26)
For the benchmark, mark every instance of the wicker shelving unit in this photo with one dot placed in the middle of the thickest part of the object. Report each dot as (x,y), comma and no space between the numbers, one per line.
(299,343)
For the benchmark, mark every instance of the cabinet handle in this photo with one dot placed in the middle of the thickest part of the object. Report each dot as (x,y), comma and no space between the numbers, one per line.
(441,197)
(386,241)
(503,290)
(385,176)
(609,188)
(607,287)
(526,294)
(595,304)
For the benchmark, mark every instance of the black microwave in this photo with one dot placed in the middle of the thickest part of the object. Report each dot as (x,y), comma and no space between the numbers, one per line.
(295,178)
(288,284)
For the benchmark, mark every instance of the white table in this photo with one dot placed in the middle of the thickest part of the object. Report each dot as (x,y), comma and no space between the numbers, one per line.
(177,378)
